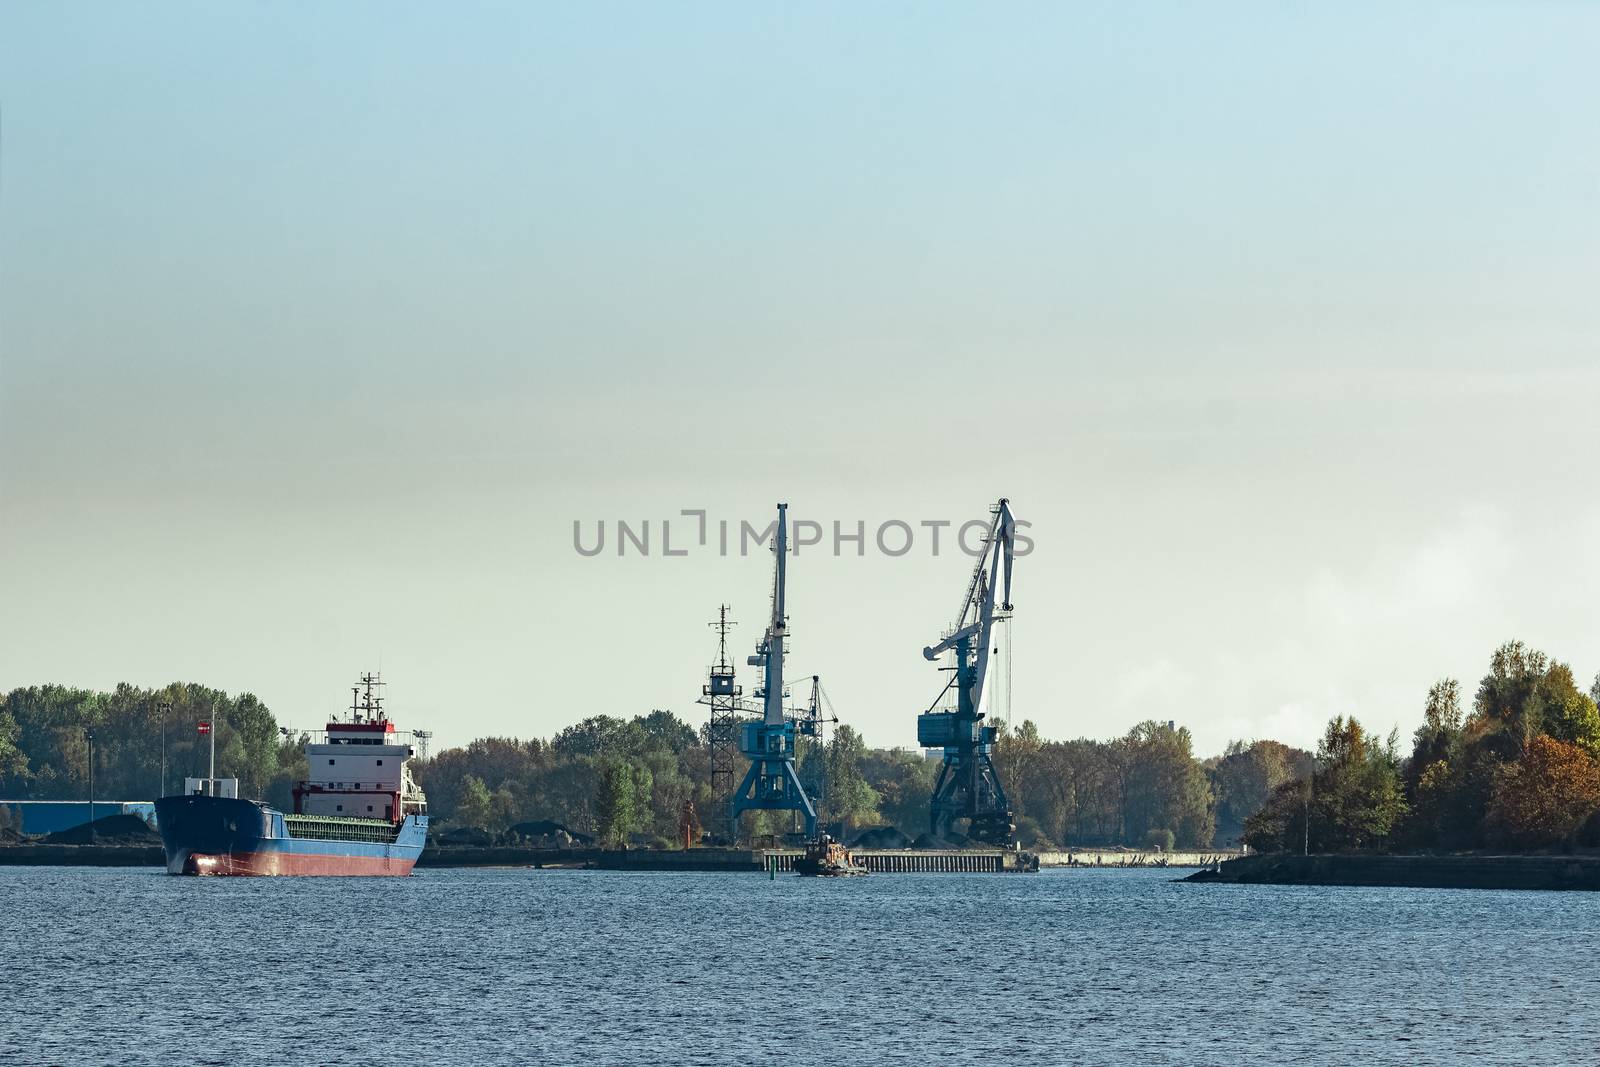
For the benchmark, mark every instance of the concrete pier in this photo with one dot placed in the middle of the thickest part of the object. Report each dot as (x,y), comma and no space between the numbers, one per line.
(1469,871)
(884,861)
(917,861)
(879,861)
(1112,857)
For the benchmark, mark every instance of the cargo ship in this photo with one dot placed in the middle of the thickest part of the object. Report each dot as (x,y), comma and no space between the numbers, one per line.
(358,813)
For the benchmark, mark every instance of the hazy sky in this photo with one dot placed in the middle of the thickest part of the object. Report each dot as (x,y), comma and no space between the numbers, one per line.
(320,325)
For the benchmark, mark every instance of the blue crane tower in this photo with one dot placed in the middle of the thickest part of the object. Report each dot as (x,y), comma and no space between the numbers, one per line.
(771,784)
(968,786)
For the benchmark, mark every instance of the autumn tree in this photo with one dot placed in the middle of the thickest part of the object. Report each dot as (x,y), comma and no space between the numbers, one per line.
(1457,772)
(1545,795)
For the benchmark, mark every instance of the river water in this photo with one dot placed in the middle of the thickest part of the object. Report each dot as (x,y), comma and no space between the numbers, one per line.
(121,966)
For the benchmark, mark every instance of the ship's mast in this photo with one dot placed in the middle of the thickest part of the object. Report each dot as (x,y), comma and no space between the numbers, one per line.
(366,700)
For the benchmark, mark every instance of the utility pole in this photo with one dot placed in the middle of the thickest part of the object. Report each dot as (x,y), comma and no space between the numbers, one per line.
(89,736)
(1311,785)
(165,708)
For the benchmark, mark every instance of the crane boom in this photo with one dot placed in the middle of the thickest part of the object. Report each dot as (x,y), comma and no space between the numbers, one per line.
(993,564)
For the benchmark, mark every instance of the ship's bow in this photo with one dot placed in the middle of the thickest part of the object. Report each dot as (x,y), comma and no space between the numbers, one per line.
(201,834)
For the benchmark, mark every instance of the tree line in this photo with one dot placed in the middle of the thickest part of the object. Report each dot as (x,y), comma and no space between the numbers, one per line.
(45,737)
(1520,770)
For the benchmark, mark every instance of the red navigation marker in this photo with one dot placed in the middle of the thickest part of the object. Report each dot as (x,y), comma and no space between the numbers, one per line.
(205,728)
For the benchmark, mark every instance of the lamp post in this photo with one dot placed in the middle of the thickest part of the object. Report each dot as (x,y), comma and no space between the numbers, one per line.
(88,735)
(1311,785)
(165,708)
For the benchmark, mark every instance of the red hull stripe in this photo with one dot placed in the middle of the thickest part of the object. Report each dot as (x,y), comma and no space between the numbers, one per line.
(269,863)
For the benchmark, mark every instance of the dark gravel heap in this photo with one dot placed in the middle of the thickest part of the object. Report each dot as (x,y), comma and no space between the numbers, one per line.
(881,837)
(111,830)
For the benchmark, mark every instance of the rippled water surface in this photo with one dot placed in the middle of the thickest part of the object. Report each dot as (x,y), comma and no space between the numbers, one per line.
(521,966)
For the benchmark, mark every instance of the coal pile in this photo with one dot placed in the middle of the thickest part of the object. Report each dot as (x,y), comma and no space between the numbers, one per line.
(111,830)
(547,833)
(881,837)
(941,844)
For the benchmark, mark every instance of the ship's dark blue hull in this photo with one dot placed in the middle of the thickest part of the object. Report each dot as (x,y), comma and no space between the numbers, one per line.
(221,835)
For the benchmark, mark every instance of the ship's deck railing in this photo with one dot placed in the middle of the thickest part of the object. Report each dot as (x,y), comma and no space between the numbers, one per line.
(319,736)
(335,828)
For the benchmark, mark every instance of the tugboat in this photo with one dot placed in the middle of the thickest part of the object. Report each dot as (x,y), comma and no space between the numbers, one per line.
(826,858)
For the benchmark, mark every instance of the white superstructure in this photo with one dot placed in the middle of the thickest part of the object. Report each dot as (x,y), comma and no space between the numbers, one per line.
(360,770)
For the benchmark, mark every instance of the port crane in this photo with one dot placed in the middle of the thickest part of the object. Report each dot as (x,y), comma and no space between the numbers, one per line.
(771,783)
(968,785)
(813,723)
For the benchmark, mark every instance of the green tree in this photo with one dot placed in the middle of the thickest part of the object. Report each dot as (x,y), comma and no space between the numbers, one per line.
(597,735)
(1440,731)
(621,801)
(1526,694)
(665,732)
(1431,810)
(475,806)
(1017,755)
(849,799)
(903,782)
(13,762)
(1354,798)
(1243,780)
(1573,718)
(1357,800)
(1164,787)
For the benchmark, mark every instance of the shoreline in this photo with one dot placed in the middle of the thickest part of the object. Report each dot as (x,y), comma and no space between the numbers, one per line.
(1470,871)
(714,860)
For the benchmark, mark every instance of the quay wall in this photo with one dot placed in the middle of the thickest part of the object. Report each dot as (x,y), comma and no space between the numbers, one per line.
(886,861)
(1110,857)
(1420,872)
(30,855)
(882,861)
